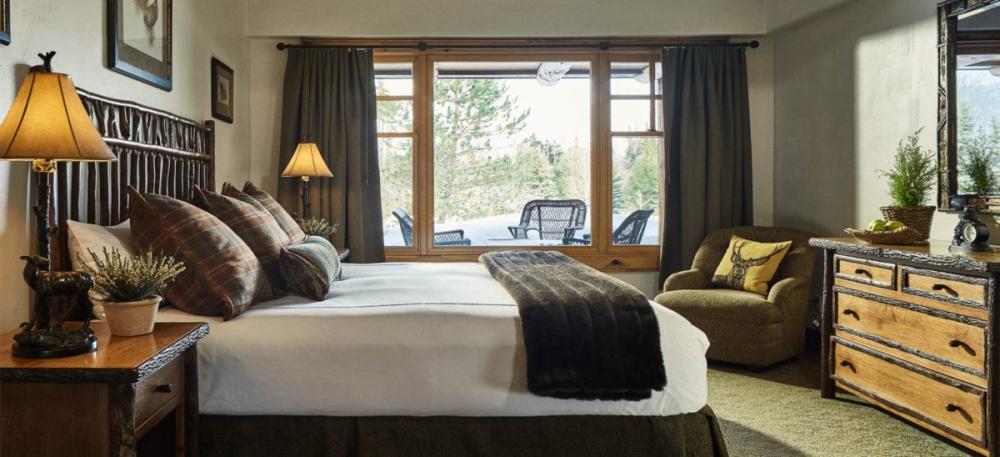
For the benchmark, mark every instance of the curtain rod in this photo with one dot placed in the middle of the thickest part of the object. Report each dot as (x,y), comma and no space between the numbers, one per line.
(423,46)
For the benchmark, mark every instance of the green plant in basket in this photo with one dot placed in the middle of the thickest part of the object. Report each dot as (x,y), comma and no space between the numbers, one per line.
(913,173)
(121,279)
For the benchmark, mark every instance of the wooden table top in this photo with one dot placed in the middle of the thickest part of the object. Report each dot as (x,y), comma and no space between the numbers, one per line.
(934,252)
(117,359)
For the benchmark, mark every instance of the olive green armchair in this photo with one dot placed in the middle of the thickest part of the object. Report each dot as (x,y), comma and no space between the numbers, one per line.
(744,327)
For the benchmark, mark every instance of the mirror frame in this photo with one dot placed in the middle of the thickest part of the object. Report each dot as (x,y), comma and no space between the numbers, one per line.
(947,136)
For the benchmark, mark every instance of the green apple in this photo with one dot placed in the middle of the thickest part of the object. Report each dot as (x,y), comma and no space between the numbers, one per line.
(894,225)
(876,225)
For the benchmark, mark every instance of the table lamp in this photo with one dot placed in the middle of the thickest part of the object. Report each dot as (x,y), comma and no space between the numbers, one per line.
(306,162)
(47,124)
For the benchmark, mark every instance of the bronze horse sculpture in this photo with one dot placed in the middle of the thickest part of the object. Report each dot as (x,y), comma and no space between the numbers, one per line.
(42,336)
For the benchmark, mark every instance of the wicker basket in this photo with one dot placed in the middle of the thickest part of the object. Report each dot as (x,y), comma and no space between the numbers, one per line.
(905,235)
(917,218)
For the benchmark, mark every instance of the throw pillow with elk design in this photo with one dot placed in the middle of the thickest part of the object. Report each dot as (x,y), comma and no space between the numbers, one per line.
(749,265)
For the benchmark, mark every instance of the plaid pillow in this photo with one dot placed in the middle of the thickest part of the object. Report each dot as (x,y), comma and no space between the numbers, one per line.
(254,225)
(253,195)
(222,277)
(310,267)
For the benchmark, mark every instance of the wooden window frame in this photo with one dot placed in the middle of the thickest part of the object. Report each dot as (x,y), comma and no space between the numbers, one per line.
(601,253)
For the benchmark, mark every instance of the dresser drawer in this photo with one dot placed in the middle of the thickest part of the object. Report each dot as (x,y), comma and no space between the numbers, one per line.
(864,271)
(945,287)
(951,406)
(947,341)
(158,389)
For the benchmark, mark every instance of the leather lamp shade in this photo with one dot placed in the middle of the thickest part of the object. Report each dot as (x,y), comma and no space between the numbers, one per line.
(47,123)
(306,162)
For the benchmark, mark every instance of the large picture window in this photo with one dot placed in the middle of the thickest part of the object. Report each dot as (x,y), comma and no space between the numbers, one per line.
(521,149)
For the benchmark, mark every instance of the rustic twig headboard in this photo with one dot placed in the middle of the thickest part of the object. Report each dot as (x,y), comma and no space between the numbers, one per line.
(157,151)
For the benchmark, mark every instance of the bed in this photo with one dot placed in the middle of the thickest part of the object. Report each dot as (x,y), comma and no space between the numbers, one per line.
(400,359)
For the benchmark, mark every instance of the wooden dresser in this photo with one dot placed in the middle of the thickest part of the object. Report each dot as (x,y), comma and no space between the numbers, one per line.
(913,330)
(134,396)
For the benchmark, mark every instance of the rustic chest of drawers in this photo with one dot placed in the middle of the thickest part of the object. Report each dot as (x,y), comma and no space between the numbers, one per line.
(913,330)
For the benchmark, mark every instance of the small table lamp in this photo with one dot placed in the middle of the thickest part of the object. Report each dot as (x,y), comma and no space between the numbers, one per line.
(306,162)
(47,124)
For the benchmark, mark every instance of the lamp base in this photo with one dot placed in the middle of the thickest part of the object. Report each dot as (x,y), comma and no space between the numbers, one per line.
(58,342)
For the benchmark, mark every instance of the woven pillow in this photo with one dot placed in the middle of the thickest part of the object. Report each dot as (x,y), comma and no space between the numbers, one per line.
(253,195)
(310,267)
(221,277)
(749,265)
(254,225)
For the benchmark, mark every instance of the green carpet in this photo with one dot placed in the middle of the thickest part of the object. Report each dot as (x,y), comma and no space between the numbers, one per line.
(779,413)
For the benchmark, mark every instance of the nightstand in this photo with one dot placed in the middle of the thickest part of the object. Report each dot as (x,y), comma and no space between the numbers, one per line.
(134,396)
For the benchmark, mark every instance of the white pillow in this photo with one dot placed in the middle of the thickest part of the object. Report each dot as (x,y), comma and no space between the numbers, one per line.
(82,236)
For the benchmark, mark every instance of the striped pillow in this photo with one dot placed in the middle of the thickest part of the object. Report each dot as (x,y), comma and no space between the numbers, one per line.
(253,195)
(255,226)
(222,277)
(310,267)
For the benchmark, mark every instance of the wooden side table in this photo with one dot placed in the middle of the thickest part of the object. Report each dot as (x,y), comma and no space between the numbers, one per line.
(104,403)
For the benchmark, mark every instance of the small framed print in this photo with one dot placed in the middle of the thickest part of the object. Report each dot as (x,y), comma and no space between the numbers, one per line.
(5,22)
(140,40)
(223,82)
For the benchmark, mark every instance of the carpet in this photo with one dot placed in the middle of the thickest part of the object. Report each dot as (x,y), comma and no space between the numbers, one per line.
(779,413)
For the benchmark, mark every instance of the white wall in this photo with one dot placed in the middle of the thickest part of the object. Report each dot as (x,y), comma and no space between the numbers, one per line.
(458,18)
(848,86)
(76,30)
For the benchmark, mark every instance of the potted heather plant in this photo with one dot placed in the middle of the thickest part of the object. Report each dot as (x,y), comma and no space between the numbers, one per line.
(911,178)
(130,289)
(318,226)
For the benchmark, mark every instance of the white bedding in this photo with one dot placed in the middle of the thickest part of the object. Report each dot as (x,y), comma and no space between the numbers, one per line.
(411,339)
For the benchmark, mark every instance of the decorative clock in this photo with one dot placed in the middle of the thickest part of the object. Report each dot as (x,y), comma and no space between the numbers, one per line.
(971,234)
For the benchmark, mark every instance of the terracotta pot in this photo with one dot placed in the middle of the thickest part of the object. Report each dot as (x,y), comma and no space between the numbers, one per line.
(131,318)
(918,218)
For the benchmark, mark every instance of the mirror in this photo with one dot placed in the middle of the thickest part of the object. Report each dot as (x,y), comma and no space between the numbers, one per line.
(969,90)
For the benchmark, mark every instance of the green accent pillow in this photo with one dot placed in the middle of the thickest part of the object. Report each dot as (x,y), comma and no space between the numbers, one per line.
(310,267)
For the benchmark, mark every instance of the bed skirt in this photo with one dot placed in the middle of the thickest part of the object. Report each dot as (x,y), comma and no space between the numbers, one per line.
(695,434)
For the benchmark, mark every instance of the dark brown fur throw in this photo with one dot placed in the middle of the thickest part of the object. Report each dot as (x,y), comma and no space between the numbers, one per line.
(587,335)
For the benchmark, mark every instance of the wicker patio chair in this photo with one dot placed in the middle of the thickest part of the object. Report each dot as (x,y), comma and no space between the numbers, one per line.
(630,231)
(446,238)
(552,219)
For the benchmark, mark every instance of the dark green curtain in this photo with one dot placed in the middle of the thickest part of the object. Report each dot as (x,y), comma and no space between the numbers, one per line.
(329,99)
(707,148)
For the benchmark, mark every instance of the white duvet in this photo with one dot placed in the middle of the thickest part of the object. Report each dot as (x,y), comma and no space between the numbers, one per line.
(411,339)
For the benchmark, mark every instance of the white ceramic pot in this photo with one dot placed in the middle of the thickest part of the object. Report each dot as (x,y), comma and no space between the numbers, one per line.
(131,318)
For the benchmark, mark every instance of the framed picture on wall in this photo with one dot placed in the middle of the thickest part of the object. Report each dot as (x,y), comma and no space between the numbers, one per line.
(4,21)
(140,40)
(223,83)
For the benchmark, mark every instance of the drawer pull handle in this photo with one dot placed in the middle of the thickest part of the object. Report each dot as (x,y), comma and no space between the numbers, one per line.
(851,312)
(863,272)
(946,289)
(165,388)
(963,345)
(953,408)
(848,364)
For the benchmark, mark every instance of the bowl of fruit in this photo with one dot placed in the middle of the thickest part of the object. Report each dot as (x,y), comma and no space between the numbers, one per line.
(886,232)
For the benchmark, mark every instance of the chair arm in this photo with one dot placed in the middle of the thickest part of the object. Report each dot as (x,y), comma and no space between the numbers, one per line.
(518,232)
(576,241)
(686,280)
(570,232)
(786,290)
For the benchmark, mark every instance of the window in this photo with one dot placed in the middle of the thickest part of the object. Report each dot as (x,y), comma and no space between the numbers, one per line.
(503,137)
(471,142)
(394,89)
(637,152)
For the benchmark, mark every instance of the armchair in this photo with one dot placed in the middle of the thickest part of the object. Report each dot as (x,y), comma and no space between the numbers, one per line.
(445,238)
(744,327)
